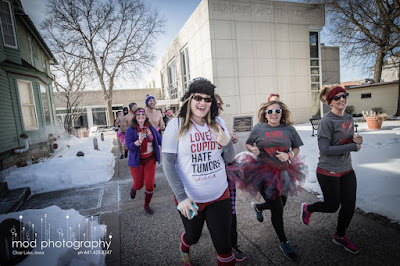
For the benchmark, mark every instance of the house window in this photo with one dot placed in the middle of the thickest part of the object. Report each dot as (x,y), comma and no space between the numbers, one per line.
(7,24)
(45,103)
(365,95)
(31,51)
(185,68)
(173,85)
(28,107)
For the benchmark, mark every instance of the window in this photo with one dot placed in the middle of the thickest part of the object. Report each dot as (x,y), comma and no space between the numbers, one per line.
(173,86)
(163,84)
(46,110)
(7,24)
(315,71)
(99,116)
(28,108)
(31,51)
(185,68)
(365,95)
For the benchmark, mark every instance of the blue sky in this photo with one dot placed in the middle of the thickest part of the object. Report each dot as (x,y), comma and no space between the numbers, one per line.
(176,12)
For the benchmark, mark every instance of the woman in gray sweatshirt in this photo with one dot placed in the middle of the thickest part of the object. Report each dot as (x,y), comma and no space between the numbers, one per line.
(336,139)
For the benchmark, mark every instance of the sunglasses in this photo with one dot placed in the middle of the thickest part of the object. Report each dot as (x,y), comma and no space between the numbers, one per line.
(337,97)
(140,113)
(276,111)
(199,98)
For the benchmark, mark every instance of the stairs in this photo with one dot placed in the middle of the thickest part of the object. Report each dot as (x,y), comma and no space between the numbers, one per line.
(11,200)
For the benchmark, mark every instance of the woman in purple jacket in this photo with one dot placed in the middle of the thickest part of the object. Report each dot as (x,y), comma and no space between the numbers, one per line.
(142,141)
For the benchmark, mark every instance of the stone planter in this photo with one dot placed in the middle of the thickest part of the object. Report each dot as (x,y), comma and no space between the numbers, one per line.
(374,122)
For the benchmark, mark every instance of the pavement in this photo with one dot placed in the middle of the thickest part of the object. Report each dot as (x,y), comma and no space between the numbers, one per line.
(142,239)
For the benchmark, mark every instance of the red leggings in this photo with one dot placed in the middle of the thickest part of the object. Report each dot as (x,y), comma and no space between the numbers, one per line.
(145,173)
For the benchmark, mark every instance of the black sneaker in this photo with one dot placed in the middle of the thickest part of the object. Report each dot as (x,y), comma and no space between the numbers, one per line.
(288,251)
(121,157)
(133,193)
(259,214)
(126,154)
(239,255)
(148,210)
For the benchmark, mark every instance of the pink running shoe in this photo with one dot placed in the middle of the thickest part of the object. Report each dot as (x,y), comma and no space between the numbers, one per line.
(345,243)
(186,261)
(304,214)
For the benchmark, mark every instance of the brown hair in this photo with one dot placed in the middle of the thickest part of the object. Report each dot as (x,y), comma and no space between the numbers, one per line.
(286,114)
(186,122)
(325,90)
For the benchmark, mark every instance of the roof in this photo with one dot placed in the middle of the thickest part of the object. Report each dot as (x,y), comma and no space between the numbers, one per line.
(377,84)
(19,12)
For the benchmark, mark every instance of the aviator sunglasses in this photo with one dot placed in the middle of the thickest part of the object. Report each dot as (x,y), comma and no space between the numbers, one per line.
(337,97)
(199,98)
(276,111)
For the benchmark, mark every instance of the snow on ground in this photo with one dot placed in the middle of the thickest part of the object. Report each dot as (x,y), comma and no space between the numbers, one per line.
(377,167)
(58,237)
(64,169)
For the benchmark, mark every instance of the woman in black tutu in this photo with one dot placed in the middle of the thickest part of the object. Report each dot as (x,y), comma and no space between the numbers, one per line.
(273,168)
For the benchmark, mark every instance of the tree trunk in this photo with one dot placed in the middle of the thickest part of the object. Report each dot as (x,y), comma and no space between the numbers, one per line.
(110,112)
(398,92)
(378,65)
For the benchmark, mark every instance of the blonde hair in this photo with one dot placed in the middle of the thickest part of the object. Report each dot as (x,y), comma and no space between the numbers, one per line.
(286,114)
(325,90)
(186,122)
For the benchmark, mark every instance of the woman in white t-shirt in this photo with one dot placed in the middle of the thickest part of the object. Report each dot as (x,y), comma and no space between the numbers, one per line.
(195,151)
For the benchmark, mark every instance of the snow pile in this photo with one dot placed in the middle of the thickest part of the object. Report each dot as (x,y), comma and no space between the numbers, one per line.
(65,169)
(377,167)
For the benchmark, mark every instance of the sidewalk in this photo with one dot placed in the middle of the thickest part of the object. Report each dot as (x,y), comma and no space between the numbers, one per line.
(141,239)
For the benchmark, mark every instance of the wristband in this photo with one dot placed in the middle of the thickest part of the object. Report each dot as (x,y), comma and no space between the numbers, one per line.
(288,156)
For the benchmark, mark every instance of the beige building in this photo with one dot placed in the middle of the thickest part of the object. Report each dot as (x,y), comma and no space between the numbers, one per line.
(248,49)
(95,111)
(378,95)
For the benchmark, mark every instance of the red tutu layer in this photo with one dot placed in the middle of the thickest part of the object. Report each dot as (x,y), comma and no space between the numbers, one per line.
(252,176)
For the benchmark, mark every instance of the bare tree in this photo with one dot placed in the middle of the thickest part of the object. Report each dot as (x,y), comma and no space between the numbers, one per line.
(368,30)
(70,79)
(114,36)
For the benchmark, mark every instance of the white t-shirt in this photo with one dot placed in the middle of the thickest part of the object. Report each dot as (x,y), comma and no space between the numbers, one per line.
(199,160)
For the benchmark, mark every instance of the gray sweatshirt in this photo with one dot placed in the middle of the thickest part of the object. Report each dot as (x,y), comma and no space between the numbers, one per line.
(335,142)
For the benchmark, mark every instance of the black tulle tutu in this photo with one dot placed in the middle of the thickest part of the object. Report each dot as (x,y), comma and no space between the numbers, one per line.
(253,176)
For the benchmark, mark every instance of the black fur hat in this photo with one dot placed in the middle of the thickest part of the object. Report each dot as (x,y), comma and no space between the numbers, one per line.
(204,86)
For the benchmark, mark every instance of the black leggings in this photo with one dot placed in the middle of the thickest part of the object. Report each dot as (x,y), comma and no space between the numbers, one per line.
(276,206)
(338,191)
(218,216)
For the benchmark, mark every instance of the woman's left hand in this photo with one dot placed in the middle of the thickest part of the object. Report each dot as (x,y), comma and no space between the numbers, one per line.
(282,156)
(357,139)
(220,137)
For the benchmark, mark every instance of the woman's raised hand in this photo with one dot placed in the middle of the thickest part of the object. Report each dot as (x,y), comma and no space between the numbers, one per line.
(220,137)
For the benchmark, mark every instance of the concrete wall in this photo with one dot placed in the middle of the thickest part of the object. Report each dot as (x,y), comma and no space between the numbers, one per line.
(330,64)
(249,49)
(382,95)
(259,48)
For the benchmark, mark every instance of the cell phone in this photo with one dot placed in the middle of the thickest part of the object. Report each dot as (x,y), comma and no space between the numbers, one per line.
(190,211)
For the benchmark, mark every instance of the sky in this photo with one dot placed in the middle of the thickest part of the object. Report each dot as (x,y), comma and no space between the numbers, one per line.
(176,13)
